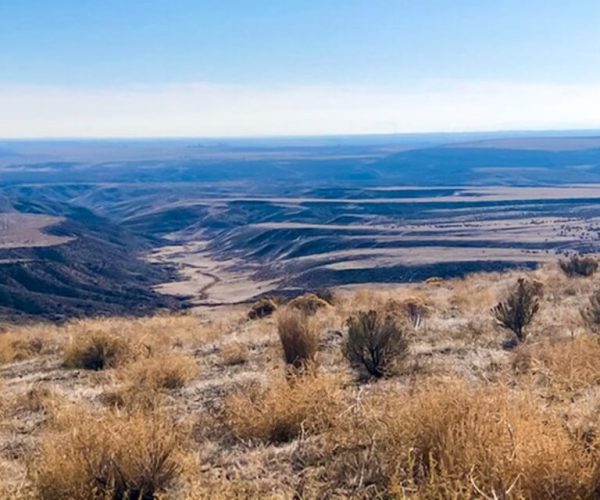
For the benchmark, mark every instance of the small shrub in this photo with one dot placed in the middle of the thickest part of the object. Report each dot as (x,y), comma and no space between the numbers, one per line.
(262,308)
(285,409)
(96,351)
(113,455)
(326,294)
(234,353)
(308,303)
(299,337)
(519,308)
(577,265)
(375,343)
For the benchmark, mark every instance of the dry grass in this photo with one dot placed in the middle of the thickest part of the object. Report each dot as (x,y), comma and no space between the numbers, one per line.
(308,303)
(413,310)
(160,373)
(234,353)
(97,350)
(299,335)
(108,455)
(448,439)
(577,265)
(285,409)
(19,346)
(452,440)
(465,418)
(566,367)
(37,398)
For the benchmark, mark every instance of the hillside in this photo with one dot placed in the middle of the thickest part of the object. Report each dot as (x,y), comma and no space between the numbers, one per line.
(190,406)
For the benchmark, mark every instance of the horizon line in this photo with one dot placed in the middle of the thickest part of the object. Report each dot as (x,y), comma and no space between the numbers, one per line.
(307,136)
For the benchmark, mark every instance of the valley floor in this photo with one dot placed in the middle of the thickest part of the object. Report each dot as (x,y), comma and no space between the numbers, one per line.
(201,405)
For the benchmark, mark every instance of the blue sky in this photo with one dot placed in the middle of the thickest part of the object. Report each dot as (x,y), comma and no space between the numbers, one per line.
(132,68)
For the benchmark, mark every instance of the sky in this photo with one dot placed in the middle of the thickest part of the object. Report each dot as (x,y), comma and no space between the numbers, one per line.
(199,68)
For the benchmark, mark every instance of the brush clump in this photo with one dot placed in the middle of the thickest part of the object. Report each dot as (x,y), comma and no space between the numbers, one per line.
(375,343)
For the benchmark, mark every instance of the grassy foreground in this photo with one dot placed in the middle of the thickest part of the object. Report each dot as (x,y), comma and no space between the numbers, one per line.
(205,406)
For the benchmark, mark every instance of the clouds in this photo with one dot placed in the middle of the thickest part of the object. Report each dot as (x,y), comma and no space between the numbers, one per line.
(213,110)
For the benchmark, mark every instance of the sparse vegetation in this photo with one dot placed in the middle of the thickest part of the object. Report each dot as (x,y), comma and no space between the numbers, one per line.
(299,336)
(375,342)
(517,311)
(578,265)
(203,407)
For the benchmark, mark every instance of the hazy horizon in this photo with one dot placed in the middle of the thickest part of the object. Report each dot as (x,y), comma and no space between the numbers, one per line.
(207,69)
(470,135)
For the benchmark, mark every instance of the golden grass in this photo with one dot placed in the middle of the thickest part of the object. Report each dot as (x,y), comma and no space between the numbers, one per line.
(308,303)
(22,345)
(452,440)
(467,418)
(97,350)
(159,373)
(566,367)
(299,335)
(108,455)
(447,439)
(285,409)
(234,353)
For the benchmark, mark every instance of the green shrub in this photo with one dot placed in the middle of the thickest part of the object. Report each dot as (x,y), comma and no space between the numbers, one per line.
(579,266)
(517,311)
(376,343)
